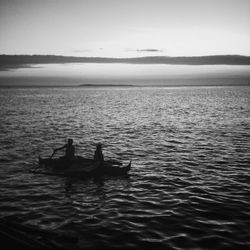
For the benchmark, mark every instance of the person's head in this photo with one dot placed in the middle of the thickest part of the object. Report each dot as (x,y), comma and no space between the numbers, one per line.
(70,141)
(99,146)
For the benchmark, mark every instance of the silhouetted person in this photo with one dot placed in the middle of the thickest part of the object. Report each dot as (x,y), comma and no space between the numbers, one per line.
(98,157)
(69,150)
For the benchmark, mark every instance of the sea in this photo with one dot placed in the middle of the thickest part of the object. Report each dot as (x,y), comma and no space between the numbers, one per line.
(189,185)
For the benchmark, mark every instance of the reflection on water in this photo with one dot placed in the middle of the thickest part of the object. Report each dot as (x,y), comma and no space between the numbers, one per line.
(189,182)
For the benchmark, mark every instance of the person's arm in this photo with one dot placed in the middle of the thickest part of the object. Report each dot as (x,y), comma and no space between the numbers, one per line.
(57,150)
(95,156)
(102,156)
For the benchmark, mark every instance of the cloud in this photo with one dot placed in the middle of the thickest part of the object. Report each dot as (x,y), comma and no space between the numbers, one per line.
(149,50)
(144,50)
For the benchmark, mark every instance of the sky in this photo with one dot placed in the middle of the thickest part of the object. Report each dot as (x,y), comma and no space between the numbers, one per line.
(125,28)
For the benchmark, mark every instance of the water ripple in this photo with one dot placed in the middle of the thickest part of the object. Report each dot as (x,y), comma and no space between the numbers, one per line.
(189,184)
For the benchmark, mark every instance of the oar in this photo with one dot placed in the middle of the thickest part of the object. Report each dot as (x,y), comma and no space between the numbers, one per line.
(52,154)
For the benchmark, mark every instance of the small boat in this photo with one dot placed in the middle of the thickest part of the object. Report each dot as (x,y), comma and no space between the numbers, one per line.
(83,167)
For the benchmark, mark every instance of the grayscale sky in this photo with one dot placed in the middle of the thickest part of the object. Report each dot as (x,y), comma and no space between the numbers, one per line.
(125,28)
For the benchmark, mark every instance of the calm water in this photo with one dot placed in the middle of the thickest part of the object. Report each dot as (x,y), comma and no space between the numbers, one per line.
(189,187)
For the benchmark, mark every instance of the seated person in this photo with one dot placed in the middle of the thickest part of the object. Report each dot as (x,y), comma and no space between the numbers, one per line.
(98,157)
(69,150)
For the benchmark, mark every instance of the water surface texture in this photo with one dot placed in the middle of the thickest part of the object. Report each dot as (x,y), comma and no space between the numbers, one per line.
(189,186)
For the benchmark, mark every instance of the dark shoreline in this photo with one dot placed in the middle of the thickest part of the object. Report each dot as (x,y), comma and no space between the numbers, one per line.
(19,61)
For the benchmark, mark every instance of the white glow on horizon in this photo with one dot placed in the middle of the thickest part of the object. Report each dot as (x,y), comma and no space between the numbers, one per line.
(133,71)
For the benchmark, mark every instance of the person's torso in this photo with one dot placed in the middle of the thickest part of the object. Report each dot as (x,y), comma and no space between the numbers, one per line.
(70,151)
(98,155)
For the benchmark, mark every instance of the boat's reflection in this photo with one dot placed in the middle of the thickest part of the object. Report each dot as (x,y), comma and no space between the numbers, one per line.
(96,186)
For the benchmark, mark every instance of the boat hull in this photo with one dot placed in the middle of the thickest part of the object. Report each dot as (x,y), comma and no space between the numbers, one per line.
(83,167)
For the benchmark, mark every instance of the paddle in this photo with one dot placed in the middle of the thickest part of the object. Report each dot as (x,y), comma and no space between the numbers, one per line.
(52,154)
